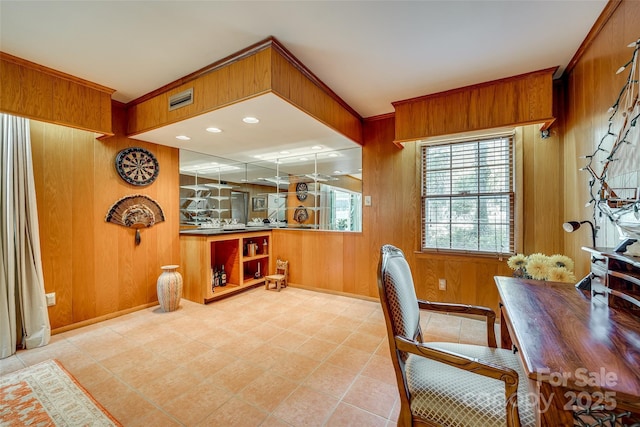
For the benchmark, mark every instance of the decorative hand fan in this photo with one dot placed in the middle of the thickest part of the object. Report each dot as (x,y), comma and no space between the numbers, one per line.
(135,211)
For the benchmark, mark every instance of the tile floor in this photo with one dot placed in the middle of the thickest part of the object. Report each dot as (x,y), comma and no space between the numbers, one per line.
(261,358)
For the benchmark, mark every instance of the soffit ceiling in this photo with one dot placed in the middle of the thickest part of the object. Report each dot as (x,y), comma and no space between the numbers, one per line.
(370,53)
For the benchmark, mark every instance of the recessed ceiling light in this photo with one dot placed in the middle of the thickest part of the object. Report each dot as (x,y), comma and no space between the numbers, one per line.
(333,155)
(316,147)
(284,152)
(250,120)
(304,159)
(183,137)
(337,172)
(258,156)
(214,130)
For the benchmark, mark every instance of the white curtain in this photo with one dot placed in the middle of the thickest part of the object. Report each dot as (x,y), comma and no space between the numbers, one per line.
(23,308)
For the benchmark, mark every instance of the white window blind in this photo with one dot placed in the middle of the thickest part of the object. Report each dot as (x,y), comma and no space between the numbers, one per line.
(467,196)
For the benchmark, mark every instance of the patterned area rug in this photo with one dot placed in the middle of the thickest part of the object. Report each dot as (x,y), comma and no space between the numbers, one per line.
(46,394)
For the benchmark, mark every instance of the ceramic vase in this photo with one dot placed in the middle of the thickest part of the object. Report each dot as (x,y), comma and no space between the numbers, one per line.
(169,288)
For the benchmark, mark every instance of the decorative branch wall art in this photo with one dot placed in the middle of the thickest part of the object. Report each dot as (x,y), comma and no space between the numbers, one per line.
(617,153)
(136,211)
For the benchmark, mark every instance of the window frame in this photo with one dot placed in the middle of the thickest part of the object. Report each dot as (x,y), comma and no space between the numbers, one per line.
(510,194)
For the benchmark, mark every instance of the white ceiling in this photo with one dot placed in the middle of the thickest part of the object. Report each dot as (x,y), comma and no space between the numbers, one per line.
(370,53)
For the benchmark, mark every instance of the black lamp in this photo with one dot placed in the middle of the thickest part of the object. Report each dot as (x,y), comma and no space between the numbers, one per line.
(572,226)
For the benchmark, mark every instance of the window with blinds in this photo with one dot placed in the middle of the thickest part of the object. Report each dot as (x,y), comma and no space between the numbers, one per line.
(467,196)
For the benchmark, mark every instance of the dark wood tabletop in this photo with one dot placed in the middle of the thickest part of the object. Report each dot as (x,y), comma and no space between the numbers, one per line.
(560,331)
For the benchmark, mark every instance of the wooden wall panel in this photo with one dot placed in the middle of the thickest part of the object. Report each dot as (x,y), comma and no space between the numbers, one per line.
(25,91)
(269,68)
(233,82)
(543,192)
(293,86)
(517,100)
(94,267)
(591,87)
(40,93)
(391,178)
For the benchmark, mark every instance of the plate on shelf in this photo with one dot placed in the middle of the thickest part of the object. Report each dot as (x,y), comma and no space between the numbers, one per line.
(301,214)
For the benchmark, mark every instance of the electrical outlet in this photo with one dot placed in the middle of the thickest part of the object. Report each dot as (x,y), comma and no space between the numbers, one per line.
(442,284)
(367,200)
(51,299)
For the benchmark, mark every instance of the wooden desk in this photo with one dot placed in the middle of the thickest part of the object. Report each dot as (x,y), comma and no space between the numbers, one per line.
(574,350)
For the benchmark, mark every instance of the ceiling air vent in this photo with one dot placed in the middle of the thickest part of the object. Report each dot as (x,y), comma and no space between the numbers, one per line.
(181,99)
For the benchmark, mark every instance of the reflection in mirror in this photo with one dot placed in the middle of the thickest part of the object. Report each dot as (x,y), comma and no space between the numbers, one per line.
(318,191)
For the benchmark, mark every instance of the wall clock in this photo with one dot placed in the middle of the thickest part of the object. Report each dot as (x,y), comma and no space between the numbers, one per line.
(137,166)
(301,191)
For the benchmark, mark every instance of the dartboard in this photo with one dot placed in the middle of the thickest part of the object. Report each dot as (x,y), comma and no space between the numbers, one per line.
(301,191)
(137,166)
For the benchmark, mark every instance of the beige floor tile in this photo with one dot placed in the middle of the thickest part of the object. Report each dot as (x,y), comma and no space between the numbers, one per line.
(333,334)
(316,349)
(447,328)
(274,422)
(236,375)
(240,346)
(376,328)
(348,416)
(331,379)
(289,340)
(349,358)
(155,418)
(295,367)
(235,412)
(197,403)
(372,395)
(266,356)
(110,391)
(208,363)
(90,376)
(362,341)
(267,391)
(306,407)
(380,368)
(163,388)
(181,353)
(130,408)
(50,351)
(218,336)
(11,364)
(292,358)
(265,331)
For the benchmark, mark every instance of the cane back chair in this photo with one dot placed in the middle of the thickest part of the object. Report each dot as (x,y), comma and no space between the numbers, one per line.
(447,384)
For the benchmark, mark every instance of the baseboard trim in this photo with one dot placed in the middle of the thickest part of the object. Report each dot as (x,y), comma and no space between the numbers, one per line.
(101,318)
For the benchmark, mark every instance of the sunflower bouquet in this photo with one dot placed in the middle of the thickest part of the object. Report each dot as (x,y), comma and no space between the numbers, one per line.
(556,268)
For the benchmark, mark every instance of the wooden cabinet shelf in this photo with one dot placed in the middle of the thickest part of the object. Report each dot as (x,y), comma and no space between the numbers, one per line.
(201,254)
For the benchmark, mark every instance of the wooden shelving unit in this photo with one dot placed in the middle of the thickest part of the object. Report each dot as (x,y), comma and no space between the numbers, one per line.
(617,277)
(201,254)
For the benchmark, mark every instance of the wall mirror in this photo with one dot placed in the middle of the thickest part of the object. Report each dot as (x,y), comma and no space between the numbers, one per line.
(304,192)
(252,161)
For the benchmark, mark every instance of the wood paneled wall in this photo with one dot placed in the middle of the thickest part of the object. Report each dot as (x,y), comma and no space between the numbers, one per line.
(297,85)
(516,100)
(234,82)
(347,262)
(94,267)
(40,93)
(591,87)
(264,67)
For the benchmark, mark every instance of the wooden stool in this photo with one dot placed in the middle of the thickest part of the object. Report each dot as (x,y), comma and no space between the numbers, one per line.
(280,276)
